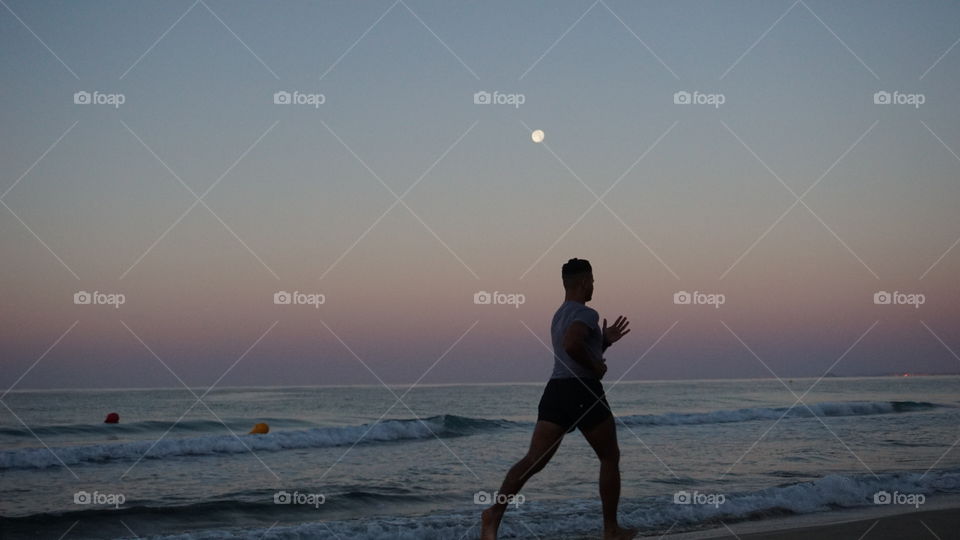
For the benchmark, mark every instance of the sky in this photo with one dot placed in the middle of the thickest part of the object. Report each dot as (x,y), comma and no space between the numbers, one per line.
(784,197)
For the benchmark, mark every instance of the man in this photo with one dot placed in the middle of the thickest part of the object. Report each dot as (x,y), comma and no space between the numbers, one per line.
(573,399)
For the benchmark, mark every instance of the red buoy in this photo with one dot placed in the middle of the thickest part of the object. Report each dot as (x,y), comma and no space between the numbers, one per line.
(112,418)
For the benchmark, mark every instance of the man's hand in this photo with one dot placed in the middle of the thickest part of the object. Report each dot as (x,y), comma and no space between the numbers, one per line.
(614,333)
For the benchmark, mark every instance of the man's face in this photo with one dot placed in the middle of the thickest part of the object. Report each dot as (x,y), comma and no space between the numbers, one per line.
(588,286)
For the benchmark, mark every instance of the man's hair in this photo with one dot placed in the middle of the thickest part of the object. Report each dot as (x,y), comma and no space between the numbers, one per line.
(573,270)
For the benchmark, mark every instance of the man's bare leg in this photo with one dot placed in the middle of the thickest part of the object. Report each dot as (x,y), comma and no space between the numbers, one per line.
(603,439)
(543,444)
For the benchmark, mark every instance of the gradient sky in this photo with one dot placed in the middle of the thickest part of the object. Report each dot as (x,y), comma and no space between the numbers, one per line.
(88,189)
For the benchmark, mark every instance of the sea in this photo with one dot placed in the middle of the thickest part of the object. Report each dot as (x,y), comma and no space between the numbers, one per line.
(388,462)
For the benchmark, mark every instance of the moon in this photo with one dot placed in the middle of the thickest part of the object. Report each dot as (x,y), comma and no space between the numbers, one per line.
(537,136)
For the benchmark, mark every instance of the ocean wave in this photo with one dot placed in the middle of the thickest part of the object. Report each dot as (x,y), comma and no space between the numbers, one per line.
(846,408)
(384,431)
(144,426)
(575,518)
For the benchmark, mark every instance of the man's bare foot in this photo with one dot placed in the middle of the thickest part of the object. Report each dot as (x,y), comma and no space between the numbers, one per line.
(619,533)
(490,524)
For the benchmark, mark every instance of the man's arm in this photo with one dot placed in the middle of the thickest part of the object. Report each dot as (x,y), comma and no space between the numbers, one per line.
(575,345)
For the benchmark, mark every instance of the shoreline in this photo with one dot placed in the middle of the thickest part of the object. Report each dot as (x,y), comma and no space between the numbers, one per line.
(938,518)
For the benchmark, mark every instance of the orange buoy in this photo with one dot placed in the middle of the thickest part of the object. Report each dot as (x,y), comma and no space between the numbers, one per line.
(112,418)
(260,429)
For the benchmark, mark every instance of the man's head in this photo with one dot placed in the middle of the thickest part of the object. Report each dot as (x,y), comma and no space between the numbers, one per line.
(578,279)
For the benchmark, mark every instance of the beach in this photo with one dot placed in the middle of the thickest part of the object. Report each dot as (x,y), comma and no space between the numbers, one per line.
(942,522)
(373,270)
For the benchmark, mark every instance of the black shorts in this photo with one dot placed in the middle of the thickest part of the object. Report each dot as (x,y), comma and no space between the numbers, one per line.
(574,403)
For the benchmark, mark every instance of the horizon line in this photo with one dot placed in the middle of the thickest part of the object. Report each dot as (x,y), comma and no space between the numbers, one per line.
(452,384)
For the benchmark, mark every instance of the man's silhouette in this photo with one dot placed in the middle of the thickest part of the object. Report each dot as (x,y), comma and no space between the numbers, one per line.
(573,399)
